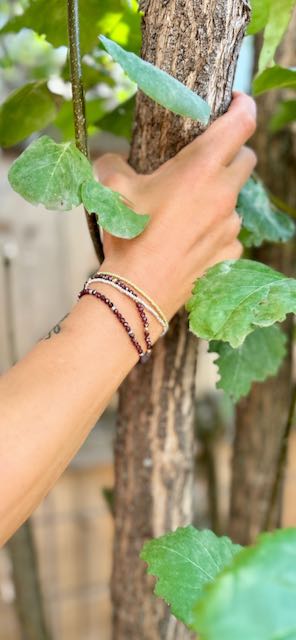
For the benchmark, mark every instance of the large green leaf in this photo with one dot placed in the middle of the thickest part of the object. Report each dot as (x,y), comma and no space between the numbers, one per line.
(49,17)
(159,85)
(259,15)
(258,358)
(274,78)
(184,562)
(278,19)
(254,598)
(50,174)
(235,297)
(261,219)
(112,214)
(284,114)
(28,109)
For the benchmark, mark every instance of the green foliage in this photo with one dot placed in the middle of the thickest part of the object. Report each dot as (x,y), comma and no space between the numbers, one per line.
(112,214)
(49,17)
(276,16)
(28,56)
(285,113)
(50,174)
(235,297)
(274,78)
(254,598)
(261,220)
(184,562)
(122,22)
(158,85)
(94,109)
(120,120)
(26,109)
(259,15)
(223,591)
(258,358)
(60,177)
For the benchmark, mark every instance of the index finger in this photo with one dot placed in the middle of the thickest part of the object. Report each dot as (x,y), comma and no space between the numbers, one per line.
(224,138)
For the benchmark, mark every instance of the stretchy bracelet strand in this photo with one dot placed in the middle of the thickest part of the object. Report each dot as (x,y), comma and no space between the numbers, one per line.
(100,296)
(117,284)
(137,292)
(140,291)
(142,314)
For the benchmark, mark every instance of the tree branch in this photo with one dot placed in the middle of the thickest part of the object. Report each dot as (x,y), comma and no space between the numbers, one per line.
(282,459)
(78,102)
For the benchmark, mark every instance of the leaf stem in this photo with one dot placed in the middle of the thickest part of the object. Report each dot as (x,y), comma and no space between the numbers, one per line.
(78,102)
(282,459)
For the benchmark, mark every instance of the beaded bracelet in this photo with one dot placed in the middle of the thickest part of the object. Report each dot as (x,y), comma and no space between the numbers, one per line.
(140,291)
(143,356)
(123,285)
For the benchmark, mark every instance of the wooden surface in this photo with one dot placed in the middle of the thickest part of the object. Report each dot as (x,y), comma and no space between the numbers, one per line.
(45,257)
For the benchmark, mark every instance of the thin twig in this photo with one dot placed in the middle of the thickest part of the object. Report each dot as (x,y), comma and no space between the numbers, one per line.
(281,461)
(78,102)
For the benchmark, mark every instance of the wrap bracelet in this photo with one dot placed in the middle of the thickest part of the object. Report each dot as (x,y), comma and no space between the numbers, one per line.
(124,286)
(143,356)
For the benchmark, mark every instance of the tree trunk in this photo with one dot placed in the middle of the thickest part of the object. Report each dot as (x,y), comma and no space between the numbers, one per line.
(262,416)
(28,602)
(197,42)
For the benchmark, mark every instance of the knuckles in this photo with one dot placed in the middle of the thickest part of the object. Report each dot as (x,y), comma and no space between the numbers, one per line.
(116,181)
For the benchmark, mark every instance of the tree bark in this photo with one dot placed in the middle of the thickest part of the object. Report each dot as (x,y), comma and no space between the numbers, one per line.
(197,42)
(262,416)
(28,602)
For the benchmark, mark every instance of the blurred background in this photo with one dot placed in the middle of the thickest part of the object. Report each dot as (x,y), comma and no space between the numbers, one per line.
(45,258)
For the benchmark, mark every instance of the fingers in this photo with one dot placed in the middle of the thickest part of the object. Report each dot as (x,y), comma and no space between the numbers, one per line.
(241,167)
(227,134)
(232,251)
(233,129)
(114,172)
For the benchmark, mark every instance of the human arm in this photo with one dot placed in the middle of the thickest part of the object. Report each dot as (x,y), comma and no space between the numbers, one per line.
(52,398)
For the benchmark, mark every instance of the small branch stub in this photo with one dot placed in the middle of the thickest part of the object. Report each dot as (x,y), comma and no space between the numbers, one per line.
(78,102)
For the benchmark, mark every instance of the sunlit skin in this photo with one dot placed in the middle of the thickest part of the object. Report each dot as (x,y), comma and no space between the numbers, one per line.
(52,398)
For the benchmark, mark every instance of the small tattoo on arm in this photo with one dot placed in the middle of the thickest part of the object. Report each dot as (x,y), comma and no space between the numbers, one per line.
(56,329)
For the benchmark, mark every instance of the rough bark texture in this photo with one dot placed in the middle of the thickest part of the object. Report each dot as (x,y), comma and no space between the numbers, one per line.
(197,42)
(262,417)
(28,602)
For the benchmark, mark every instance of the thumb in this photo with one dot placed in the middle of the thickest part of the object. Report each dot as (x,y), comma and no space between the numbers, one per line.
(111,167)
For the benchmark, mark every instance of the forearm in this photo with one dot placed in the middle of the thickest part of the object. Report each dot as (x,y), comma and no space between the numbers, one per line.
(50,401)
(53,397)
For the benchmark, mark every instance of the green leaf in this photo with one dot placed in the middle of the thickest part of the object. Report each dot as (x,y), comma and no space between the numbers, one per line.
(120,120)
(28,109)
(49,17)
(261,219)
(50,174)
(112,214)
(159,85)
(123,27)
(277,23)
(254,598)
(285,114)
(259,15)
(274,78)
(258,358)
(184,562)
(235,297)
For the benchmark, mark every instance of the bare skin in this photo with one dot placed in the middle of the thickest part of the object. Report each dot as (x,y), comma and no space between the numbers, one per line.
(52,398)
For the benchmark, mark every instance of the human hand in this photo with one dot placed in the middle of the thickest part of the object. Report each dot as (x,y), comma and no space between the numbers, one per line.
(191,200)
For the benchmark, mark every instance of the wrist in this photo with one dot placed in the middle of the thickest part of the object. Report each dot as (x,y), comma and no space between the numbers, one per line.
(148,283)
